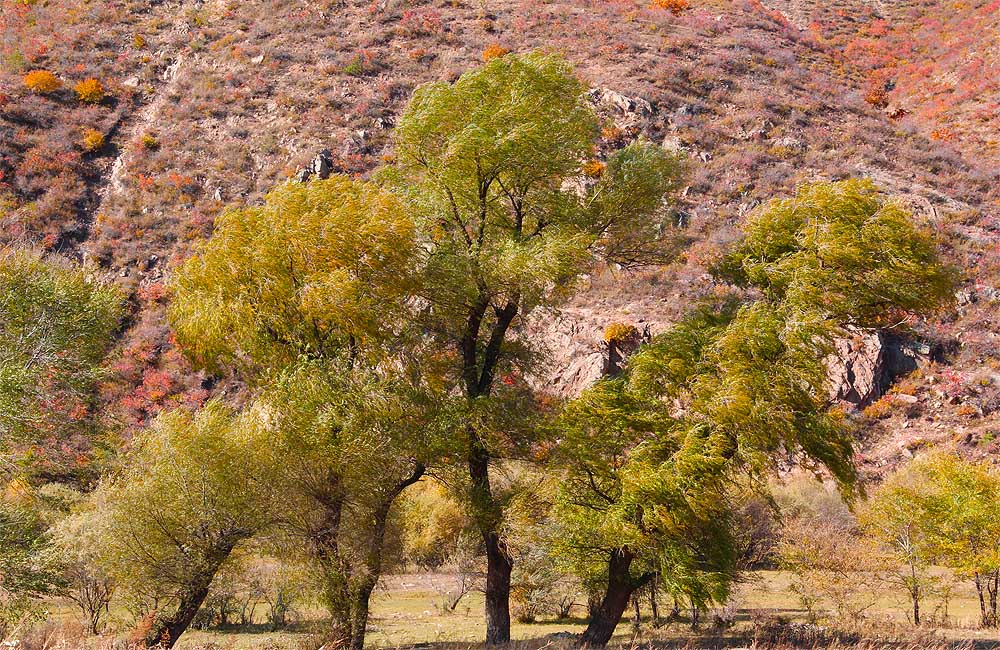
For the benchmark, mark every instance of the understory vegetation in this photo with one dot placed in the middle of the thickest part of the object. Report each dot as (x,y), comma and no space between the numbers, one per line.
(373,403)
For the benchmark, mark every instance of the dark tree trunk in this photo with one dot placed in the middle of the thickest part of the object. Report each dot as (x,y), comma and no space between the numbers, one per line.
(653,604)
(637,613)
(983,618)
(325,541)
(362,593)
(621,586)
(479,371)
(167,630)
(499,564)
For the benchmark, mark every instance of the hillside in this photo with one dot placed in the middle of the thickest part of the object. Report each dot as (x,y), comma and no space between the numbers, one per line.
(210,103)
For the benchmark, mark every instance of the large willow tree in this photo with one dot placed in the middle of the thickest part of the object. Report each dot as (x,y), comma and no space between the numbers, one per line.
(732,388)
(305,296)
(491,169)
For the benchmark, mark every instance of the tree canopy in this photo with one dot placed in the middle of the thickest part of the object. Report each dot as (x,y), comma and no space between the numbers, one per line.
(56,325)
(736,385)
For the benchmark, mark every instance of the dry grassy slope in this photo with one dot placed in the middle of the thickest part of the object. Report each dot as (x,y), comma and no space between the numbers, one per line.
(943,57)
(231,97)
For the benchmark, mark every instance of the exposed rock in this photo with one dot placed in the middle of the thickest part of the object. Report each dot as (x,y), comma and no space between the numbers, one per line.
(864,366)
(320,167)
(622,103)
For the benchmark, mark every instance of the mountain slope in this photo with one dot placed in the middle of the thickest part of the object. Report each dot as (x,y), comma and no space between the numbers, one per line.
(214,102)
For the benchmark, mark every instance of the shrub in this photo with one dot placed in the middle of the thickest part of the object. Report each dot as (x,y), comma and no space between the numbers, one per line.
(42,82)
(149,142)
(90,91)
(495,51)
(673,6)
(877,97)
(880,409)
(594,168)
(620,332)
(93,140)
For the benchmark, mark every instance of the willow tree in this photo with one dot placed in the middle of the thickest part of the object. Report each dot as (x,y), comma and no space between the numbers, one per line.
(305,296)
(56,325)
(733,387)
(191,489)
(491,167)
(942,509)
(350,444)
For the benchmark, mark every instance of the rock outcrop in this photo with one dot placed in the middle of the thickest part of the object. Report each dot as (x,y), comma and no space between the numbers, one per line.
(865,365)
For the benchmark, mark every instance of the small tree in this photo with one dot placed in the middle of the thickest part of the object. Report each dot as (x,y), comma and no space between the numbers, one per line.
(894,518)
(193,487)
(947,510)
(28,568)
(56,325)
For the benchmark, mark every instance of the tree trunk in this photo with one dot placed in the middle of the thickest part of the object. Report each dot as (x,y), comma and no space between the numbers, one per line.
(621,586)
(325,541)
(359,613)
(362,592)
(479,368)
(636,614)
(653,604)
(499,563)
(982,601)
(498,571)
(166,631)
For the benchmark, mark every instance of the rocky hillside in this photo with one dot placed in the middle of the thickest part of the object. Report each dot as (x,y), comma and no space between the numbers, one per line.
(208,103)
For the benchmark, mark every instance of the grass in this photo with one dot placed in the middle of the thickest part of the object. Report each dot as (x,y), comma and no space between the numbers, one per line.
(409,611)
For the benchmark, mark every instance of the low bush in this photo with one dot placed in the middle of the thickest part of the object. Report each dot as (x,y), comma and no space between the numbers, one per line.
(92,141)
(42,82)
(90,91)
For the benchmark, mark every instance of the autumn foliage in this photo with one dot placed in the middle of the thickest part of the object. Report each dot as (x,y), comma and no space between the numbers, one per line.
(90,91)
(673,6)
(494,51)
(42,82)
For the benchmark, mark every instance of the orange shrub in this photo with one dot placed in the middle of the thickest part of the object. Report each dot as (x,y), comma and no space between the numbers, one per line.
(494,51)
(90,91)
(877,97)
(881,409)
(673,6)
(594,168)
(42,82)
(93,140)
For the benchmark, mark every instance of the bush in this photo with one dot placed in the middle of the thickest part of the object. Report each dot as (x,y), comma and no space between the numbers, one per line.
(881,409)
(42,82)
(90,91)
(149,142)
(594,168)
(620,332)
(673,6)
(93,140)
(495,51)
(877,97)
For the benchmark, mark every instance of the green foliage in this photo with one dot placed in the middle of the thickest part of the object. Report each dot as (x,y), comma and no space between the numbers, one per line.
(435,525)
(943,509)
(56,325)
(191,488)
(491,167)
(317,271)
(28,568)
(650,458)
(846,251)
